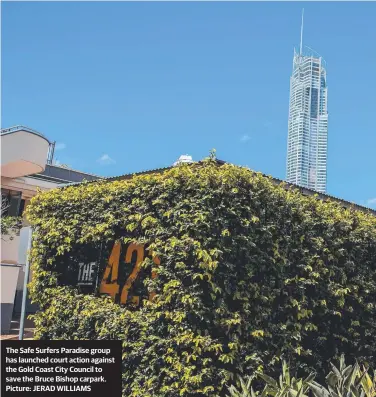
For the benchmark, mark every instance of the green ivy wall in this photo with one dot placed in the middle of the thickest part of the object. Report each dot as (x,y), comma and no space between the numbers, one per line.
(250,273)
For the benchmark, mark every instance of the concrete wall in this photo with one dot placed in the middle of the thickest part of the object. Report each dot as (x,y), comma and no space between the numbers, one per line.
(9,249)
(12,278)
(9,278)
(27,185)
(30,307)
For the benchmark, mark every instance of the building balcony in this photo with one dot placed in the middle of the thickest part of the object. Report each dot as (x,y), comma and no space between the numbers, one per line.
(23,152)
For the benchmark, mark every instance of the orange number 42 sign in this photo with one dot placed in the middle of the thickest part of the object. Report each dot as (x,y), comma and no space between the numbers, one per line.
(109,284)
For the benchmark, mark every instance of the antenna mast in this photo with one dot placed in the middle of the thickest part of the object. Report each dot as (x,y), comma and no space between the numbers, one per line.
(301,33)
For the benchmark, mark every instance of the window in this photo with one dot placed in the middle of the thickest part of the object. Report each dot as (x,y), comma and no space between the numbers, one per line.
(22,207)
(11,201)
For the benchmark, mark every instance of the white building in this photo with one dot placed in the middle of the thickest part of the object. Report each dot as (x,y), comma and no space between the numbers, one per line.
(308,122)
(184,158)
(26,166)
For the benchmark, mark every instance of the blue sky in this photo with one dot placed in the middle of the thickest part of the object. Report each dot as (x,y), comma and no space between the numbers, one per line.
(123,87)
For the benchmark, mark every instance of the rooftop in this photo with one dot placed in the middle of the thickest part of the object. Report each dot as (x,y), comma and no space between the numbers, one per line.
(16,128)
(63,175)
(303,190)
(52,173)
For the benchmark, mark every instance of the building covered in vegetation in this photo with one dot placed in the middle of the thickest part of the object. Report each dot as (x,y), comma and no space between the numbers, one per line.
(205,271)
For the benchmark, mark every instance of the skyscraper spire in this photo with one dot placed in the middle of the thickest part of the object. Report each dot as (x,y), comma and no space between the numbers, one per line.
(301,33)
(308,121)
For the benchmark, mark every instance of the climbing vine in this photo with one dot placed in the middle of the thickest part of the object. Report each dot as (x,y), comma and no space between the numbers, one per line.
(239,275)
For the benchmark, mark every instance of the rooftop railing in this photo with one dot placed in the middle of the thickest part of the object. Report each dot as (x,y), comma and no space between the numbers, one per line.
(11,130)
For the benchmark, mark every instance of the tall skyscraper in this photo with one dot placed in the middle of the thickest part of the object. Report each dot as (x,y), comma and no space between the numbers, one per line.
(308,120)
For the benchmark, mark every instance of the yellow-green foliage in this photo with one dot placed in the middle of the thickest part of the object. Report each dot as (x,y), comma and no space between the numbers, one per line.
(250,274)
(342,381)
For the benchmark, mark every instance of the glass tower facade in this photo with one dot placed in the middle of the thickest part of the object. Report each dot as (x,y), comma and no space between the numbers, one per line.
(308,123)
